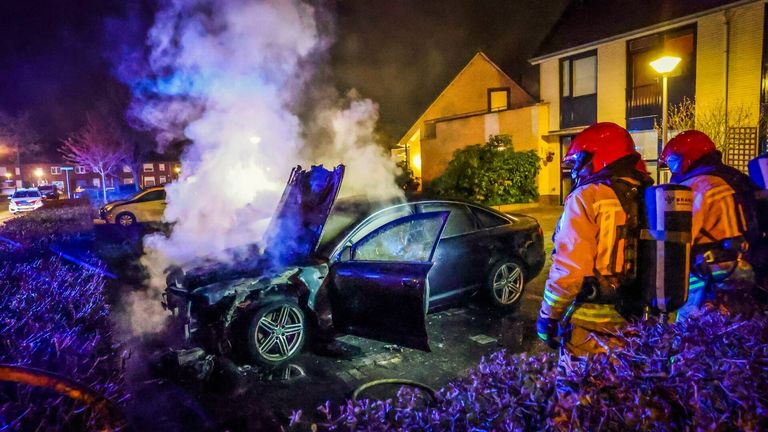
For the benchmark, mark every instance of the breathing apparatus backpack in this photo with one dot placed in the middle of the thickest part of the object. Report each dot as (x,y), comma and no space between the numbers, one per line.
(655,241)
(757,255)
(752,222)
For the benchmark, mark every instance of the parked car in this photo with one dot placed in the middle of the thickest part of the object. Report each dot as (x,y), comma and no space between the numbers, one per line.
(122,192)
(24,200)
(372,269)
(145,206)
(49,192)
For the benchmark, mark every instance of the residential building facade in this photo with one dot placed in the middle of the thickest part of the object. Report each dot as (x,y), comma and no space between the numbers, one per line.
(480,101)
(153,173)
(591,73)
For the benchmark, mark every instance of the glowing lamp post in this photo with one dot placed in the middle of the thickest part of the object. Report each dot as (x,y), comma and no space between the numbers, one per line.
(38,174)
(664,65)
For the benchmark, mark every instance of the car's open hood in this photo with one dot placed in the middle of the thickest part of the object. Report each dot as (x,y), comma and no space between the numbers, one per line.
(295,228)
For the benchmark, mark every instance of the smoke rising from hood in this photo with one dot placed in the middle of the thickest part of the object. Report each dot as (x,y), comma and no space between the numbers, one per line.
(225,74)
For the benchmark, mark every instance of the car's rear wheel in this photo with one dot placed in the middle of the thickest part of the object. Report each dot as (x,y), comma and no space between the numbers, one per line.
(506,282)
(276,333)
(125,219)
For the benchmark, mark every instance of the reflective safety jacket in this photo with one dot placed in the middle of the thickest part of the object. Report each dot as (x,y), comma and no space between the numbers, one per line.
(588,242)
(715,214)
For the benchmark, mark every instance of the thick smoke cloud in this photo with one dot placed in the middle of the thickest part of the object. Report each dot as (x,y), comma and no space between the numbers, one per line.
(228,75)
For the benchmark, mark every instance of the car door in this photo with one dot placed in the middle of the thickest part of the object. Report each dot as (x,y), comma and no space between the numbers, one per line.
(459,261)
(148,207)
(379,285)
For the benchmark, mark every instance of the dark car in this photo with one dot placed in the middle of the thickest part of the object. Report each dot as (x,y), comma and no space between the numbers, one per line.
(373,269)
(49,192)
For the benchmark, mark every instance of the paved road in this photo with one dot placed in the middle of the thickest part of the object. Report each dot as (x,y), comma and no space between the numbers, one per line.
(4,214)
(458,338)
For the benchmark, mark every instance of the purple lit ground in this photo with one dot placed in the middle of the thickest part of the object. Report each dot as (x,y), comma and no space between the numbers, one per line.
(458,337)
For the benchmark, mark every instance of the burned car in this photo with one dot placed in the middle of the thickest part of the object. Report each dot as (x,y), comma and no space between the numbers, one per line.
(352,266)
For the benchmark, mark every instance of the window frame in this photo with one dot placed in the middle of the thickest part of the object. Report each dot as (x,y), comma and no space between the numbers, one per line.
(499,90)
(634,121)
(150,168)
(569,101)
(55,170)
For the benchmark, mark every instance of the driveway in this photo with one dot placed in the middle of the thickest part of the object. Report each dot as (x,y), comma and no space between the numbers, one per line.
(5,215)
(258,400)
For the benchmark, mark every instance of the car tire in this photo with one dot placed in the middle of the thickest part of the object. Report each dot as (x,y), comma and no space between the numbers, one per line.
(125,219)
(506,282)
(276,333)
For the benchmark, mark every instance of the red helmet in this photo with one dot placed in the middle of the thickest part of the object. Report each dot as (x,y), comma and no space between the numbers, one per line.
(605,143)
(685,149)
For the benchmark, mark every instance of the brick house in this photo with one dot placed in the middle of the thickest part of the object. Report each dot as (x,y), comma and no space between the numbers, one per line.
(155,172)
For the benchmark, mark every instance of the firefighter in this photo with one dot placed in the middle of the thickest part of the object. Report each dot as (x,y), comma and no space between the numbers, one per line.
(591,269)
(719,222)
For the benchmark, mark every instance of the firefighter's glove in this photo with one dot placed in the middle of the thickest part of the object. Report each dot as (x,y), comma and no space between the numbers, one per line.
(547,329)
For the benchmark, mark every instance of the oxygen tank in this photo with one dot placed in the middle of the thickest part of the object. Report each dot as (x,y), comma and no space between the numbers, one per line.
(665,247)
(757,255)
(758,170)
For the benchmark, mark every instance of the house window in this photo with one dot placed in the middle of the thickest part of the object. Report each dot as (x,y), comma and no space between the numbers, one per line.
(498,99)
(128,181)
(80,169)
(55,170)
(149,181)
(162,179)
(578,90)
(126,169)
(149,167)
(644,84)
(161,167)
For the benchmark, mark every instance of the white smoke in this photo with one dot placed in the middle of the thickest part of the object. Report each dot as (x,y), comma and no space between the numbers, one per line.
(227,72)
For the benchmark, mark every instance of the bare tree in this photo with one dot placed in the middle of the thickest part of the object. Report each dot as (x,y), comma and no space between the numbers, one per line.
(18,136)
(138,149)
(715,121)
(99,145)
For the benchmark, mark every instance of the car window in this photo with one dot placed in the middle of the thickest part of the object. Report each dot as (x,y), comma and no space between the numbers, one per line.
(380,219)
(157,195)
(406,240)
(488,219)
(26,194)
(459,222)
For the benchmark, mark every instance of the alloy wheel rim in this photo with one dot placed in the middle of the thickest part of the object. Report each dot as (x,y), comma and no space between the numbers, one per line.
(279,333)
(126,220)
(508,283)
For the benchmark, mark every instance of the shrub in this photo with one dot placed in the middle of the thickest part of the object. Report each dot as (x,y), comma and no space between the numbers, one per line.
(708,373)
(47,224)
(491,173)
(56,319)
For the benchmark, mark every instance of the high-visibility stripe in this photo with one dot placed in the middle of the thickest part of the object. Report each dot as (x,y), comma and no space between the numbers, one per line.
(554,300)
(597,313)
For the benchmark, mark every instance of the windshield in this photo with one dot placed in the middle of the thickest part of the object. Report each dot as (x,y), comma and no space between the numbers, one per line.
(27,194)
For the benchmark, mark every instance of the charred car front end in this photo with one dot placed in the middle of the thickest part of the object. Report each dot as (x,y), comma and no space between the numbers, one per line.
(371,269)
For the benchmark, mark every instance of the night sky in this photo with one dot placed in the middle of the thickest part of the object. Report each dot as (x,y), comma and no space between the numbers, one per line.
(56,56)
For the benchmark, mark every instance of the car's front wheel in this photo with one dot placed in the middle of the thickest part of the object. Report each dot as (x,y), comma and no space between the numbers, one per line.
(125,219)
(506,281)
(276,333)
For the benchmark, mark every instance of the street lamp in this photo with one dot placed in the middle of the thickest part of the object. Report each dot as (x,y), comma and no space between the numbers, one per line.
(664,65)
(38,174)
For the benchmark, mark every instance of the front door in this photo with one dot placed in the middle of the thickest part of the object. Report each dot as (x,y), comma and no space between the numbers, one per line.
(379,287)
